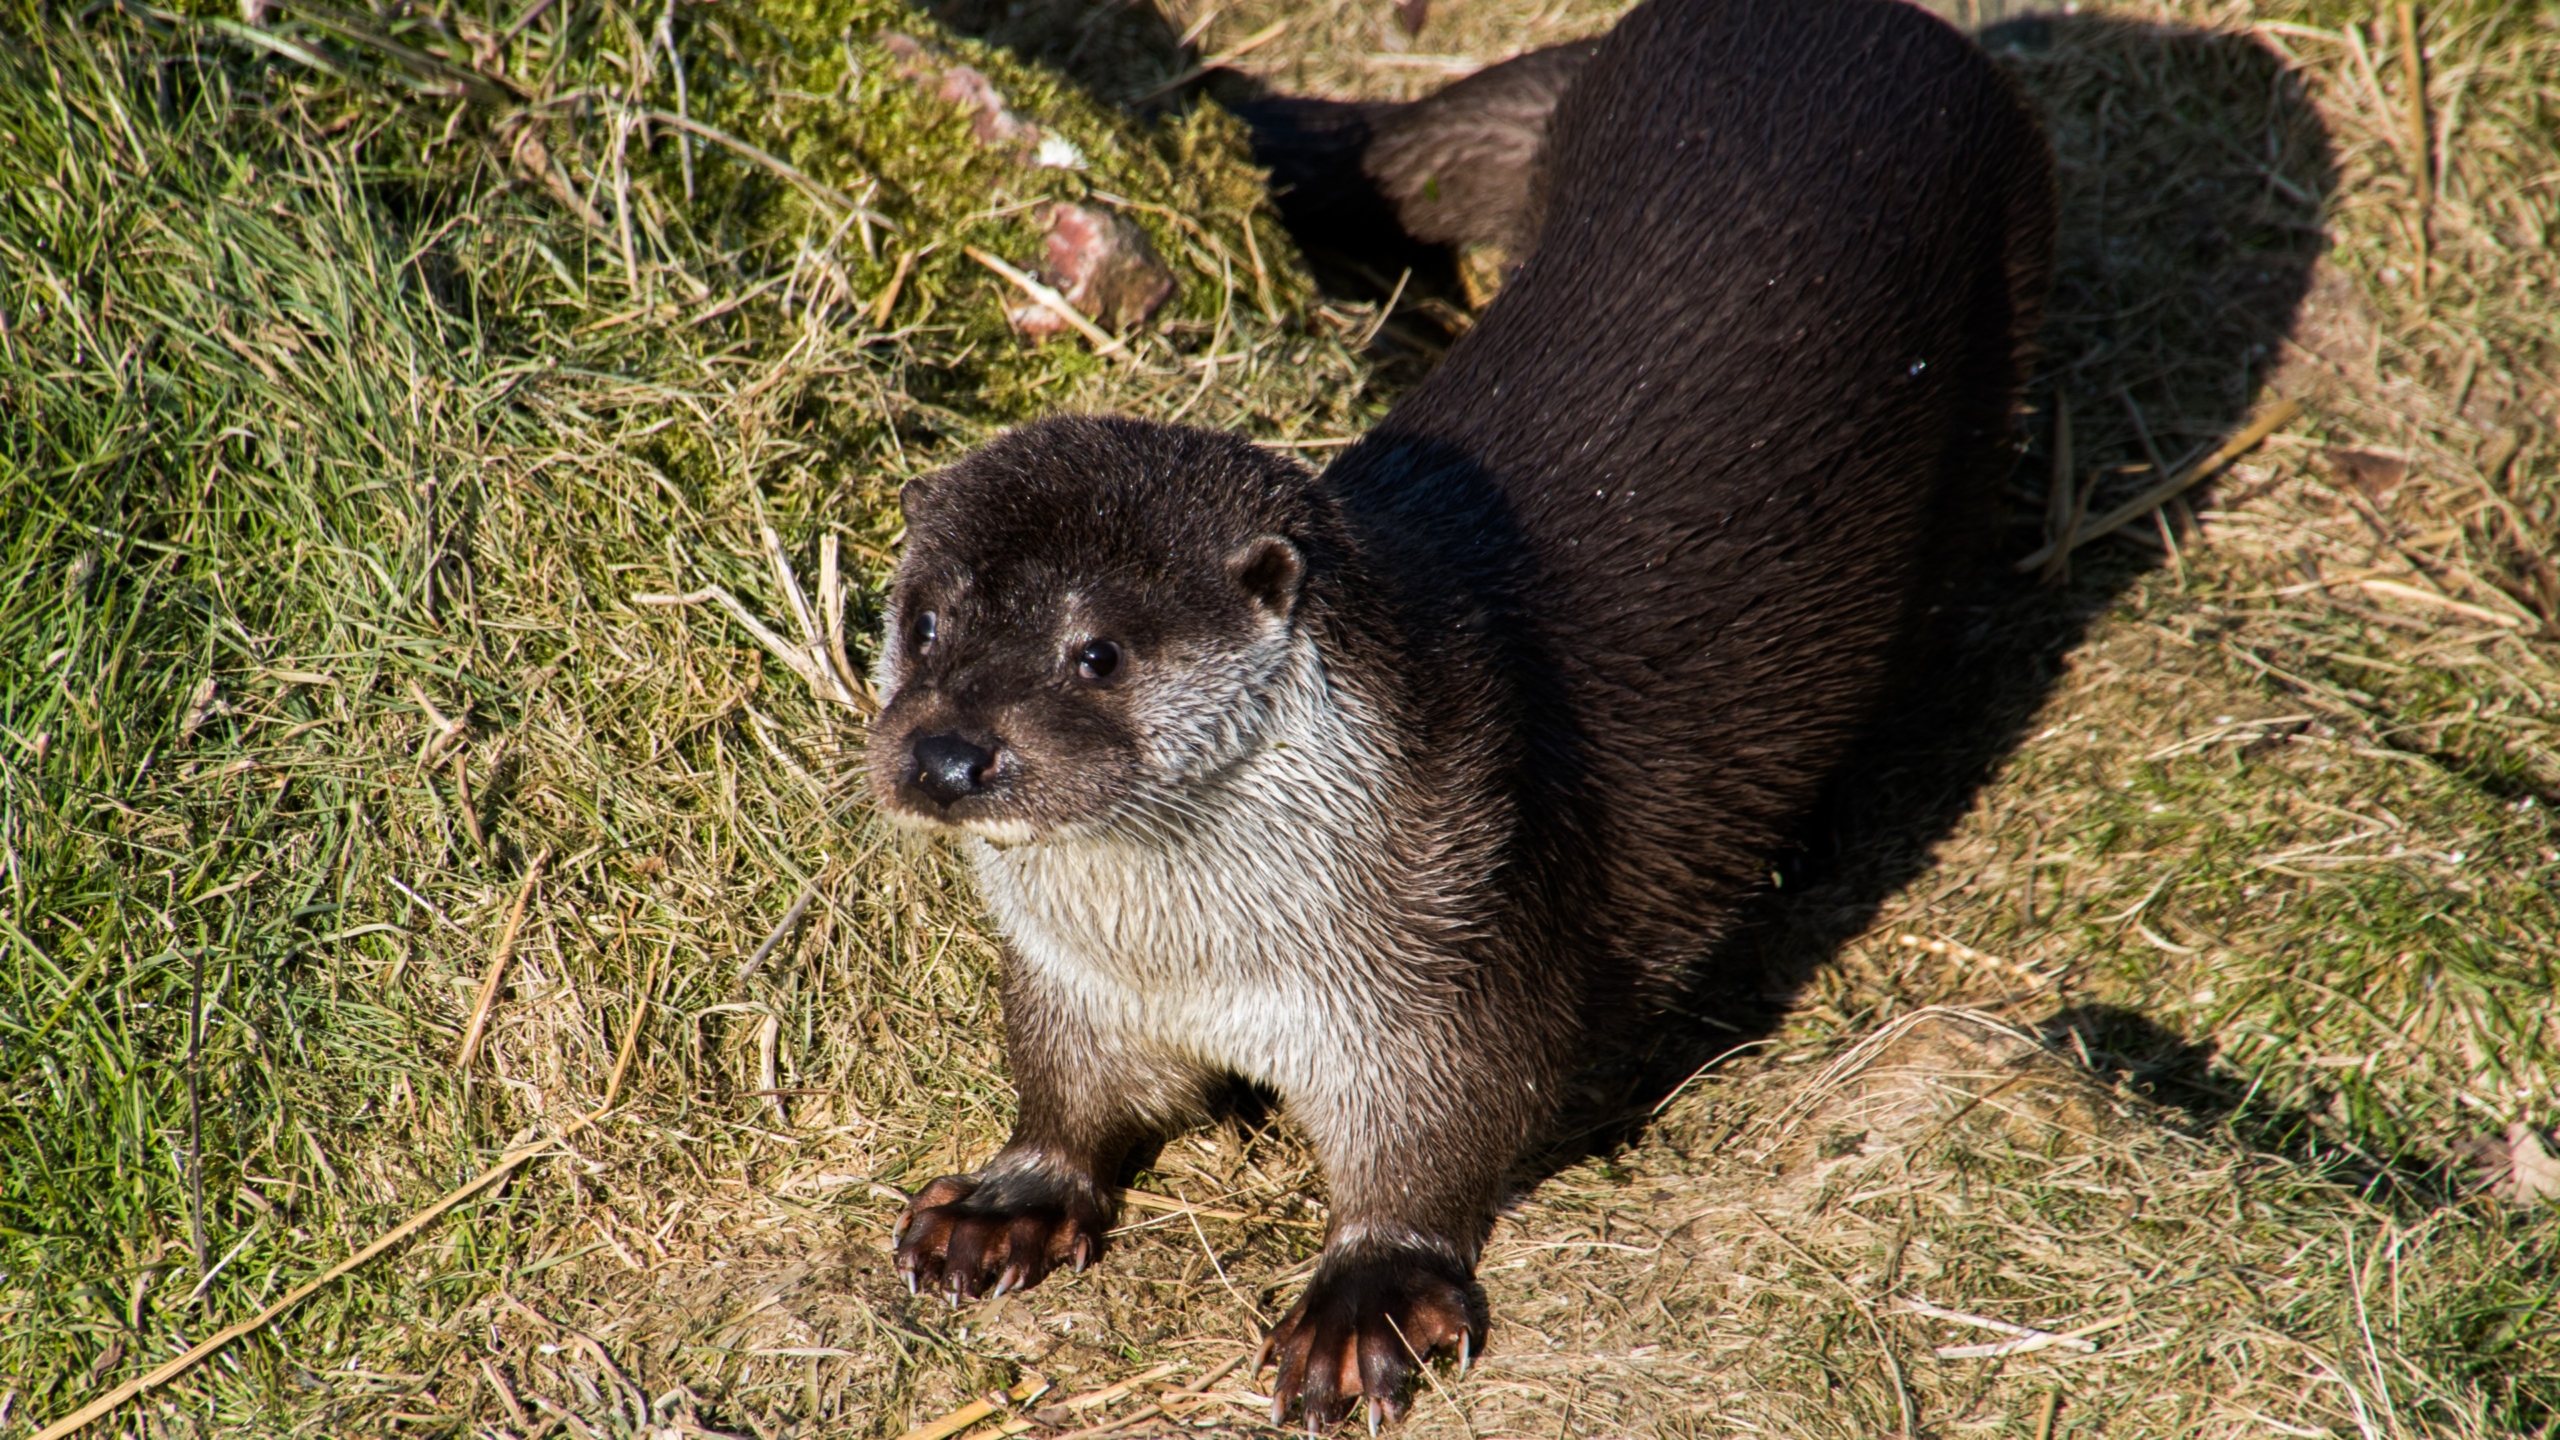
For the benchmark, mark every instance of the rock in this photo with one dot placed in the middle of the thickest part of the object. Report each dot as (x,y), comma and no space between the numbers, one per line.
(993,124)
(990,119)
(912,60)
(1102,264)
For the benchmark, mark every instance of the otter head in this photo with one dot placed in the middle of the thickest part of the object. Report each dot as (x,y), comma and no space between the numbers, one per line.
(1088,619)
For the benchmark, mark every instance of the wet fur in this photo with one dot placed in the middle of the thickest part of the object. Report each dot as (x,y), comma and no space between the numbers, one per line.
(1581,630)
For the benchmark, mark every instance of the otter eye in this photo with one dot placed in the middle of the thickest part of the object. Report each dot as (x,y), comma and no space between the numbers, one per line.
(925,631)
(1098,661)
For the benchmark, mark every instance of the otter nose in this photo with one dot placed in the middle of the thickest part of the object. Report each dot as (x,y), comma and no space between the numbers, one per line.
(948,767)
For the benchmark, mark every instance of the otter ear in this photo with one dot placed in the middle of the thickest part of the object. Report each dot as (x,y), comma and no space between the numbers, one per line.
(1269,568)
(913,494)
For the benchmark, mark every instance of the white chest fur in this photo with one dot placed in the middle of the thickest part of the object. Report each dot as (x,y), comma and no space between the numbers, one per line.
(1248,923)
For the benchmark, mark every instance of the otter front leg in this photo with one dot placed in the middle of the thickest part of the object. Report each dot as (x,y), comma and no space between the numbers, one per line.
(1004,1227)
(1415,1150)
(1045,1199)
(1371,1316)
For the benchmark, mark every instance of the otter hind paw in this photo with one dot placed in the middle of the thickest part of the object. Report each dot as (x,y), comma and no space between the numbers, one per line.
(968,1237)
(1362,1332)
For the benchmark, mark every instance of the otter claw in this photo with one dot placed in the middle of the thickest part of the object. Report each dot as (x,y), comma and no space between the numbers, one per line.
(972,1241)
(1360,1334)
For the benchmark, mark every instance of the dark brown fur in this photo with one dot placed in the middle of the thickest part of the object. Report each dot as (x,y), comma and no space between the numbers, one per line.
(1531,681)
(1456,169)
(1461,166)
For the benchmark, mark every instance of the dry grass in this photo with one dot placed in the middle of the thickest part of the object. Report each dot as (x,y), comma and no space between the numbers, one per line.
(309,394)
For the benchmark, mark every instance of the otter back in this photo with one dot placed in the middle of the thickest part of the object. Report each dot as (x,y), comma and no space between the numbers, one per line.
(1713,447)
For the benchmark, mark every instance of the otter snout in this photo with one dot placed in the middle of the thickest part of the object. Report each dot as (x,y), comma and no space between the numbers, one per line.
(949,768)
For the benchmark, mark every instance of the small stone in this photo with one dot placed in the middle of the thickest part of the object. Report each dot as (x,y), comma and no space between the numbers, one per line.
(1102,264)
(2533,1173)
(994,125)
(908,56)
(968,87)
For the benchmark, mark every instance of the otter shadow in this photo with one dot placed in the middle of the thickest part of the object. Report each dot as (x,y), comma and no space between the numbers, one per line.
(2128,1048)
(1122,52)
(2133,1050)
(2192,171)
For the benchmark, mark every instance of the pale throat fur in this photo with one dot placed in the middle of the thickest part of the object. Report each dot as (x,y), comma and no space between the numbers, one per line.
(1239,913)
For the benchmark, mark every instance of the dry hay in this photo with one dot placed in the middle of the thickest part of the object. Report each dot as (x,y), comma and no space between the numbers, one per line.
(1802,1248)
(1864,1226)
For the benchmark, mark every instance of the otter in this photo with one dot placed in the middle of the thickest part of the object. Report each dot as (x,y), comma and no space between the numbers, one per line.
(1390,788)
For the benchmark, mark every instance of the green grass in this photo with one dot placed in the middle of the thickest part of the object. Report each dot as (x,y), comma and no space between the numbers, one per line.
(190,501)
(311,389)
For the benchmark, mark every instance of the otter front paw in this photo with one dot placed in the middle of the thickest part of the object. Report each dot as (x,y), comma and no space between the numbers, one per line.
(1363,1329)
(990,1234)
